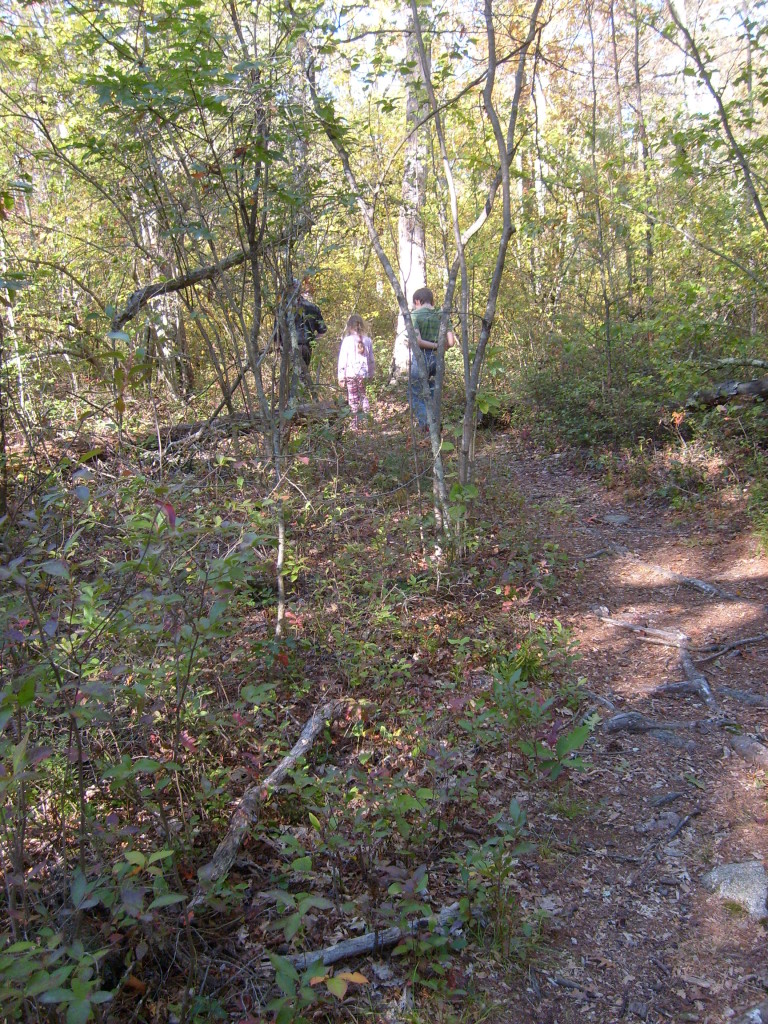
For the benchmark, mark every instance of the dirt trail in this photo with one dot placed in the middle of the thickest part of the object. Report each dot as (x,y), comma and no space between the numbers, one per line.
(634,935)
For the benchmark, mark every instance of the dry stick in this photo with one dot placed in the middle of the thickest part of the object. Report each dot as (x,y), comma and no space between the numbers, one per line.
(371,942)
(734,646)
(250,802)
(663,637)
(683,822)
(687,581)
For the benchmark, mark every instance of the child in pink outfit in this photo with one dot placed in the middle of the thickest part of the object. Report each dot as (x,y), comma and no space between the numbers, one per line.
(356,366)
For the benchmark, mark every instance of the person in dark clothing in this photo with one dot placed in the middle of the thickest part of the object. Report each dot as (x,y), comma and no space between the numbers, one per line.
(309,324)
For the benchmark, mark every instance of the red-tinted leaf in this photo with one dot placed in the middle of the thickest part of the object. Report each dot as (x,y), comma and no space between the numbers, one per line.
(170,513)
(186,741)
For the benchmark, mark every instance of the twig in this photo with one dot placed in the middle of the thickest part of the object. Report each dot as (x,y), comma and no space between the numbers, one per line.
(558,979)
(733,646)
(683,822)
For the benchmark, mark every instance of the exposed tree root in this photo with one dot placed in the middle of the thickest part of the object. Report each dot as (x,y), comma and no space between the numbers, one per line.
(665,732)
(750,749)
(752,700)
(695,683)
(374,941)
(247,810)
(675,577)
(634,722)
(689,581)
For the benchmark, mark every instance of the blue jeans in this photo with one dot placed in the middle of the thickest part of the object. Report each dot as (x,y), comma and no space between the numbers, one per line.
(421,390)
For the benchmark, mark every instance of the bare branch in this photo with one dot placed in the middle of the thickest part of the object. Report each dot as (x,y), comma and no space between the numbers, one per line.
(142,296)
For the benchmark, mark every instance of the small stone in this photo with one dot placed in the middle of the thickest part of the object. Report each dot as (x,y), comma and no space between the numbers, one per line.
(745,884)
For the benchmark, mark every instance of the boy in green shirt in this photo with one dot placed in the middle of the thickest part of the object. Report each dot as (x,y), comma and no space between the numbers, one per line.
(426,320)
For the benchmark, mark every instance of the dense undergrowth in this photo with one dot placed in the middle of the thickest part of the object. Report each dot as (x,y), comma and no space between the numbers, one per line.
(145,687)
(638,427)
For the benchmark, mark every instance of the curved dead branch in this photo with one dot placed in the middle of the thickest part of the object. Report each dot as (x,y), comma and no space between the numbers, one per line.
(249,805)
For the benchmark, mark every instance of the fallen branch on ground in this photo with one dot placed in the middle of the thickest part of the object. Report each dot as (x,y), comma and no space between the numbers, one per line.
(371,942)
(733,646)
(750,749)
(663,637)
(752,700)
(683,822)
(250,802)
(725,392)
(687,581)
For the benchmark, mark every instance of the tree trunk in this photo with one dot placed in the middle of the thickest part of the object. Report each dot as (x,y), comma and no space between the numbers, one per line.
(644,154)
(411,243)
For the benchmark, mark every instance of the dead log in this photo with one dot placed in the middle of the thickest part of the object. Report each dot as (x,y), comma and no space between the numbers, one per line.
(750,749)
(372,942)
(723,393)
(241,422)
(247,810)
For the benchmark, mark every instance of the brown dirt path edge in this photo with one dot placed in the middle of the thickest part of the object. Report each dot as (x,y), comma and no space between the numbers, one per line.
(634,935)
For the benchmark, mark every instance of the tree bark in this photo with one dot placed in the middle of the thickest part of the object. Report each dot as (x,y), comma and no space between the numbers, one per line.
(411,239)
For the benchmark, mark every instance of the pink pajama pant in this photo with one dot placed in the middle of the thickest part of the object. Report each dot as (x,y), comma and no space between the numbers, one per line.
(357,397)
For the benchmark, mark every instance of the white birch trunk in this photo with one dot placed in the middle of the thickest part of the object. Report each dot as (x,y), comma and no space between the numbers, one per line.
(411,245)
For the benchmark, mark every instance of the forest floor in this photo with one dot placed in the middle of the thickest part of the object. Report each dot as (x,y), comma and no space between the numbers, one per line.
(628,931)
(603,582)
(633,933)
